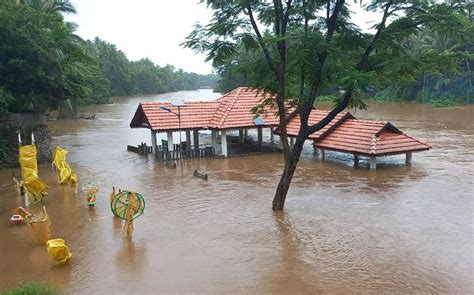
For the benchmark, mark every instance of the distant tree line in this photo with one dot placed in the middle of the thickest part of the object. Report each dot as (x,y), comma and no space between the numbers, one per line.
(44,65)
(441,63)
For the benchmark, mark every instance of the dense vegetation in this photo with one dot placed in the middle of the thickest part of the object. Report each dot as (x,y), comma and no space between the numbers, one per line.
(441,62)
(44,65)
(300,50)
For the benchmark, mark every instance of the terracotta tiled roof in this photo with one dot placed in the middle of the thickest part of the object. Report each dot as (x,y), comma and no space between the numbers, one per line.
(231,111)
(293,125)
(369,138)
(235,110)
(194,115)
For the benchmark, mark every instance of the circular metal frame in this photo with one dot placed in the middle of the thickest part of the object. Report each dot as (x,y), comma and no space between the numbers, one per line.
(119,205)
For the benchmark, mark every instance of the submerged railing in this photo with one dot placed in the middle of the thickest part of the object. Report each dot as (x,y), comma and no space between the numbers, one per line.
(164,155)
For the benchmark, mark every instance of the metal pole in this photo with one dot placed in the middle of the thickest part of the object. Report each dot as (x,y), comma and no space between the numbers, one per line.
(179,122)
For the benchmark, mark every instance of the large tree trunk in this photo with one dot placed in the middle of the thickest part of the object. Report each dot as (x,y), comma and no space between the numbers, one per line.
(288,172)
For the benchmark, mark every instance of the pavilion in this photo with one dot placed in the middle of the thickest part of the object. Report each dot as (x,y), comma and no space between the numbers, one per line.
(366,138)
(233,111)
(230,112)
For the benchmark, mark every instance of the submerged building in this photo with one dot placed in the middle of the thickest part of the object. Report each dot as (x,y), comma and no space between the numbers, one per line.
(233,111)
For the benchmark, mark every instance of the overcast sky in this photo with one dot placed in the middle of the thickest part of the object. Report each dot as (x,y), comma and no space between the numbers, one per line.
(153,28)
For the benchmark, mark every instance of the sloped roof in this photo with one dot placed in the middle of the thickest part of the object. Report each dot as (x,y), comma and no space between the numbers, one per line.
(294,122)
(369,138)
(235,110)
(194,115)
(231,111)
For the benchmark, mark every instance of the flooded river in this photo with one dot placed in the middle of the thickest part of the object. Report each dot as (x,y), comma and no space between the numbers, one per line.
(403,229)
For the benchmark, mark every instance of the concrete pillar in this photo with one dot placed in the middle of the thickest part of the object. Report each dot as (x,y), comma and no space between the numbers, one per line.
(272,136)
(241,135)
(153,142)
(196,139)
(373,163)
(356,160)
(292,141)
(260,136)
(224,142)
(322,154)
(169,134)
(214,140)
(188,140)
(408,157)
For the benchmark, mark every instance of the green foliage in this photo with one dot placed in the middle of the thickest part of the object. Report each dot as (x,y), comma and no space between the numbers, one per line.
(434,38)
(439,103)
(6,99)
(44,65)
(33,288)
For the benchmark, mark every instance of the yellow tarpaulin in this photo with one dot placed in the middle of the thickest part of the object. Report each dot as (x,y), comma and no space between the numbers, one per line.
(58,249)
(29,172)
(65,172)
(40,227)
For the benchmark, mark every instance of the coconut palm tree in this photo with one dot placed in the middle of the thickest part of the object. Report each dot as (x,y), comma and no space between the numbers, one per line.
(49,6)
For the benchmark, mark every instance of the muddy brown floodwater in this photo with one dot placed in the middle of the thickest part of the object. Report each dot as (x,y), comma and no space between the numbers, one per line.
(403,229)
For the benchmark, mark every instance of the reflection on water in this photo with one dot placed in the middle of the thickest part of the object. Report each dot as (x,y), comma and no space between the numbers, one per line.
(404,229)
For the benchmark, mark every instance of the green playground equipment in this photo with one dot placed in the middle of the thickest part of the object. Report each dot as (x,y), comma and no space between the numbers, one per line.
(119,205)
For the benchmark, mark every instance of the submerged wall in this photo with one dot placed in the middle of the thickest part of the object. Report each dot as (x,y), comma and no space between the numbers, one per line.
(25,123)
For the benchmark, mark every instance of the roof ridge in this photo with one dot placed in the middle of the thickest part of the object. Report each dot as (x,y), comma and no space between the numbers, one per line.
(229,107)
(373,144)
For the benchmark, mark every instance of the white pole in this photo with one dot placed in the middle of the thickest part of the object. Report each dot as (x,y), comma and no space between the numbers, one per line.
(153,142)
(169,135)
(373,163)
(224,142)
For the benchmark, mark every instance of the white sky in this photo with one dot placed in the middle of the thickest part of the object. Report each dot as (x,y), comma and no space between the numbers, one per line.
(153,28)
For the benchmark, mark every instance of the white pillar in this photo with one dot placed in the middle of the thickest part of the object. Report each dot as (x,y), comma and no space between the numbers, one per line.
(170,140)
(292,141)
(408,157)
(214,140)
(241,135)
(373,163)
(196,139)
(272,136)
(153,142)
(356,160)
(224,142)
(260,136)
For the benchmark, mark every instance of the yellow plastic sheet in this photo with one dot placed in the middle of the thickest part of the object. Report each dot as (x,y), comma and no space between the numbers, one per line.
(58,249)
(133,205)
(40,227)
(65,172)
(29,172)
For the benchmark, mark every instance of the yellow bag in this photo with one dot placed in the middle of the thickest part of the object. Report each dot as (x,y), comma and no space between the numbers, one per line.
(29,172)
(40,227)
(65,172)
(59,251)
